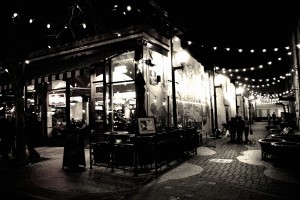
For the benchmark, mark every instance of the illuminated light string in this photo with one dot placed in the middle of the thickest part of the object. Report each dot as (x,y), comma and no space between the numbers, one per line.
(266,97)
(75,7)
(228,70)
(17,18)
(243,50)
(267,80)
(251,88)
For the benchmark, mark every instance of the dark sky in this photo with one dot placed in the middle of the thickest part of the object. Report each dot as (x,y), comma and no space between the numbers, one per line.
(237,25)
(223,24)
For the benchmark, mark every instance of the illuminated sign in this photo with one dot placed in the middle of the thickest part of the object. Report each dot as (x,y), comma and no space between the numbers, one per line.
(57,99)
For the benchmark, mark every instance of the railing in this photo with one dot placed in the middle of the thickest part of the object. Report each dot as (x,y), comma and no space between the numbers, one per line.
(140,154)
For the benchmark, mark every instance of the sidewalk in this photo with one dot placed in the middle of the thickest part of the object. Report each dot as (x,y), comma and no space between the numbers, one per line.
(229,171)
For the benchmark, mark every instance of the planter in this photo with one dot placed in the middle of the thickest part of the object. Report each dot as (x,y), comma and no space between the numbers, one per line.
(287,137)
(267,150)
(286,150)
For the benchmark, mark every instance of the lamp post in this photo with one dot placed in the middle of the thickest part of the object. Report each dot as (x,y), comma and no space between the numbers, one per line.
(238,92)
(250,99)
(182,57)
(215,99)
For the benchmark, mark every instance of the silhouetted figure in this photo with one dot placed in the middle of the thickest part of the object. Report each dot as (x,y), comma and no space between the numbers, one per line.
(240,126)
(274,118)
(31,132)
(232,129)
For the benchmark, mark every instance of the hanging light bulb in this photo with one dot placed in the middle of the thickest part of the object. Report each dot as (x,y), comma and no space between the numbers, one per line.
(155,99)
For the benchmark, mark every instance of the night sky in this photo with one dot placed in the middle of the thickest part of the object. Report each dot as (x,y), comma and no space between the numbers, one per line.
(236,25)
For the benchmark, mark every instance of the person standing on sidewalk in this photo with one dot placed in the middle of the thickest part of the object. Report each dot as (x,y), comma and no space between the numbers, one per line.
(232,129)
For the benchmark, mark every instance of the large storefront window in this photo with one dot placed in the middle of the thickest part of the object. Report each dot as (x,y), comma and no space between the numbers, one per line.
(115,96)
(57,113)
(56,108)
(123,105)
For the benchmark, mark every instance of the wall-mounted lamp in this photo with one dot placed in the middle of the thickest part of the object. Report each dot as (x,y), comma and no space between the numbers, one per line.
(149,63)
(158,78)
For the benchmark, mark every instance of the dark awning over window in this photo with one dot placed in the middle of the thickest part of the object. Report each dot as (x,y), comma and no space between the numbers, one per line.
(54,69)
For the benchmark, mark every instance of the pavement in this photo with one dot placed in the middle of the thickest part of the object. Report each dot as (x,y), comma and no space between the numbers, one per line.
(227,171)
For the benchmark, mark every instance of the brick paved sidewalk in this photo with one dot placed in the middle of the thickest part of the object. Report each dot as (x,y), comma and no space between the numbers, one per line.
(229,171)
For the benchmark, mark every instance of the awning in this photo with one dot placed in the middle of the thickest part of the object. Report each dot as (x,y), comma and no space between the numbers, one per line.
(287,98)
(57,69)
